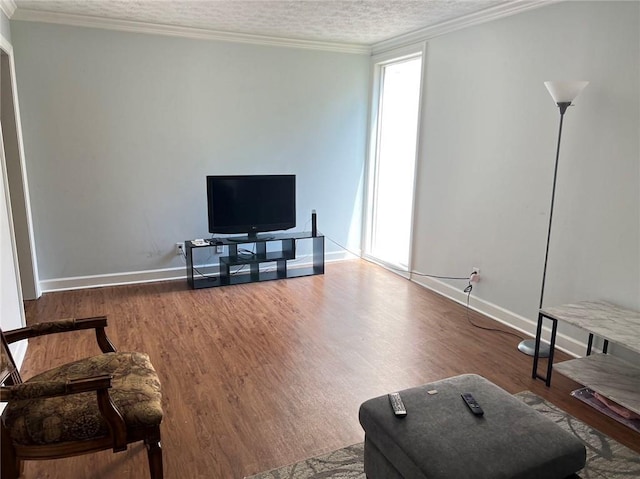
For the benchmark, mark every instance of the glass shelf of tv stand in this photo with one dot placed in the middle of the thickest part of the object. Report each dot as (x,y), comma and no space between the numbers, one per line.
(256,259)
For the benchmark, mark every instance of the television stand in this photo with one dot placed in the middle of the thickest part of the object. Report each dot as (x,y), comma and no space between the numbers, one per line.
(281,256)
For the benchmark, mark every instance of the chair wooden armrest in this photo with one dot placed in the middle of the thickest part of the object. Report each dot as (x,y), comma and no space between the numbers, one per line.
(62,326)
(100,384)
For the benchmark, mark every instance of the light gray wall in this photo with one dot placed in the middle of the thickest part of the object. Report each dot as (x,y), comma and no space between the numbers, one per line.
(488,149)
(120,130)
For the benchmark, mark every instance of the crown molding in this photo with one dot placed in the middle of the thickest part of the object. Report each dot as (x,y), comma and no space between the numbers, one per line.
(483,16)
(8,7)
(477,18)
(185,32)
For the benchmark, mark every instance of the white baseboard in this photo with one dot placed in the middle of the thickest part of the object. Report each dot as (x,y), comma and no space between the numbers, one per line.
(114,279)
(524,325)
(166,274)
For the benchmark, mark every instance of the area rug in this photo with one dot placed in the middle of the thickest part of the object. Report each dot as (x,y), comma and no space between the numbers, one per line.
(606,458)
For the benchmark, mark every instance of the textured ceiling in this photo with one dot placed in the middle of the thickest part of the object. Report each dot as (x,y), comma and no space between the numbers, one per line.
(363,22)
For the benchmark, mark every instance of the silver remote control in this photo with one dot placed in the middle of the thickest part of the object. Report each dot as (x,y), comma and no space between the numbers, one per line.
(397,405)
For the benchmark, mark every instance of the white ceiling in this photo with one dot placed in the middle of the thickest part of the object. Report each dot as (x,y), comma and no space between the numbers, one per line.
(358,22)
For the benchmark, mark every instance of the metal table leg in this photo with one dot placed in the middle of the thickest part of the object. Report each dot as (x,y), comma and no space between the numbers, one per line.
(605,345)
(552,344)
(536,351)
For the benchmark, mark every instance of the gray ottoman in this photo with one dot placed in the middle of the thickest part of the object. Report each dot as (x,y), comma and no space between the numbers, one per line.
(441,438)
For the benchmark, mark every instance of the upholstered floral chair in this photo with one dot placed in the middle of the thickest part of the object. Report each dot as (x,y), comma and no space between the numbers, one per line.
(103,402)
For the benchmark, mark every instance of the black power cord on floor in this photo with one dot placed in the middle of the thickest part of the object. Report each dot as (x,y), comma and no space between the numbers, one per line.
(467,289)
(392,268)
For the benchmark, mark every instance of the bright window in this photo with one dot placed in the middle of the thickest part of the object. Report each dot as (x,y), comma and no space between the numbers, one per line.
(392,161)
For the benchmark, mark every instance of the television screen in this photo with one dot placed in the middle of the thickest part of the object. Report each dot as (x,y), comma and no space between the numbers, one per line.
(251,203)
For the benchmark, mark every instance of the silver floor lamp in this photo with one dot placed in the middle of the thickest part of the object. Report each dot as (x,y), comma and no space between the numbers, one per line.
(563,93)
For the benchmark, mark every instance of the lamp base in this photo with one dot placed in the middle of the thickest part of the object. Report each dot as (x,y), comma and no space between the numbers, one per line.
(528,347)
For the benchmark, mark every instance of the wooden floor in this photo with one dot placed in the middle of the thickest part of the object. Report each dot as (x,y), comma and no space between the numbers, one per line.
(261,375)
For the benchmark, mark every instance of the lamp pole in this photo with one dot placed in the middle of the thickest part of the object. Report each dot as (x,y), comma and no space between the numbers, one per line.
(563,94)
(563,108)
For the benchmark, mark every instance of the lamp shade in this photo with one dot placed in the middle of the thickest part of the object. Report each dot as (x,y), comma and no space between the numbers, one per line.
(565,91)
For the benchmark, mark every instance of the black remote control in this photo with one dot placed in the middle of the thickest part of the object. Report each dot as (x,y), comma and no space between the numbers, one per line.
(397,405)
(473,404)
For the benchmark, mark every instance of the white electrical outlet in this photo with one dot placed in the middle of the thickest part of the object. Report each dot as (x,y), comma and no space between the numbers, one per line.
(219,249)
(179,249)
(475,274)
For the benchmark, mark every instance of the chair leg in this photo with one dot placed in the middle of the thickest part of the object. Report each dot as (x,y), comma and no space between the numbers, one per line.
(154,452)
(11,466)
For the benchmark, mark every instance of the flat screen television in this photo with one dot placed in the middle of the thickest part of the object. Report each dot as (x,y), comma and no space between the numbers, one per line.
(251,203)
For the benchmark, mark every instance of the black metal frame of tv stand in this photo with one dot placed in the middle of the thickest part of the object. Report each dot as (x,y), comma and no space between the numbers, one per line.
(286,253)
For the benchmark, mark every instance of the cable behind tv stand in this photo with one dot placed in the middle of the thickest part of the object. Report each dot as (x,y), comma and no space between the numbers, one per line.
(239,260)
